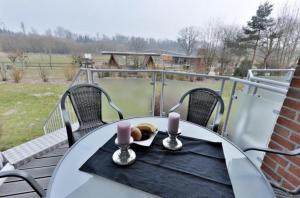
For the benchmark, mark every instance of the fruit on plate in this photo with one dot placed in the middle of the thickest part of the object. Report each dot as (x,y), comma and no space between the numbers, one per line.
(136,134)
(147,127)
(142,131)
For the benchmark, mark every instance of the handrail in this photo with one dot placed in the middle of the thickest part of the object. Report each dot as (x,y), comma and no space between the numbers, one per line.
(268,81)
(251,77)
(270,85)
(258,85)
(195,74)
(161,71)
(124,70)
(270,70)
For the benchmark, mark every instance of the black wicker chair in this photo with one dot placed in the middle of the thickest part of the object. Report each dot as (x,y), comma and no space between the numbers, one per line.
(87,103)
(294,152)
(25,176)
(202,102)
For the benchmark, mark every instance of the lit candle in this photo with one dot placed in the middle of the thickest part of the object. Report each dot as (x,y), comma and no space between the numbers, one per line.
(173,122)
(124,132)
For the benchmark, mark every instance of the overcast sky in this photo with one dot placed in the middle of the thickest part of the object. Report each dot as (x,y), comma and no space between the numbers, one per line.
(148,18)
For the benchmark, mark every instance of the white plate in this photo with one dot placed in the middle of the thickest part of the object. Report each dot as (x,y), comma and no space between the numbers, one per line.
(148,141)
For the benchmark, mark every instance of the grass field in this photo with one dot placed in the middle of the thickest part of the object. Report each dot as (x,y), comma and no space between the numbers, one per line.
(23,110)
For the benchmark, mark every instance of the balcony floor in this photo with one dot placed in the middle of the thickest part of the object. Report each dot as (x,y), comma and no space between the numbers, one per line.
(42,167)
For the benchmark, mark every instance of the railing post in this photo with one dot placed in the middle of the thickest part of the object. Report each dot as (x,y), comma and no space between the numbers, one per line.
(218,106)
(249,76)
(161,113)
(61,116)
(224,133)
(255,89)
(153,83)
(92,77)
(89,76)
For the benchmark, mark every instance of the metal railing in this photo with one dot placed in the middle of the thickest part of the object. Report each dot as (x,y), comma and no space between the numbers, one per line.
(54,121)
(251,76)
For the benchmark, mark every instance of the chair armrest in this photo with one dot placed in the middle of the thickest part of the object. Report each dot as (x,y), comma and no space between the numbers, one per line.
(175,107)
(117,109)
(215,127)
(110,102)
(25,176)
(267,150)
(180,102)
(66,119)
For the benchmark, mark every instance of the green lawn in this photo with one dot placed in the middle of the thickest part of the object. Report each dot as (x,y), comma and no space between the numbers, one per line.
(23,110)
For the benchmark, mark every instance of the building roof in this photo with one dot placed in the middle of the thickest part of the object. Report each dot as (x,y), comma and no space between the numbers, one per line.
(129,53)
(187,57)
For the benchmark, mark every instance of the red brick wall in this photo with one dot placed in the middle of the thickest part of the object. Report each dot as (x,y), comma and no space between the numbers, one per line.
(286,136)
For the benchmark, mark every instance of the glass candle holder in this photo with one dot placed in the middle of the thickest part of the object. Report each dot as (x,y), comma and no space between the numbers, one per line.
(124,155)
(172,142)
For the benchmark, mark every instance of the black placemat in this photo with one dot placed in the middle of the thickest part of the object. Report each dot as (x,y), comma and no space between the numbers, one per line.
(198,170)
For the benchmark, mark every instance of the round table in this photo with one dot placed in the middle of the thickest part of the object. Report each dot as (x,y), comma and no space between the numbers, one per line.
(67,181)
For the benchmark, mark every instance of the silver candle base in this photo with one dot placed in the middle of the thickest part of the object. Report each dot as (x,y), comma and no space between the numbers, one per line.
(124,156)
(172,142)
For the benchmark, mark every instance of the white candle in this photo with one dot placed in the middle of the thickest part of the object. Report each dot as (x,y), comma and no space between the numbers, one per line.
(173,122)
(124,132)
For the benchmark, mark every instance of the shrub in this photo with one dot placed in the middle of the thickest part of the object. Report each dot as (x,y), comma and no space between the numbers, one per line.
(140,75)
(69,72)
(180,77)
(16,74)
(44,75)
(170,76)
(242,70)
(200,78)
(192,78)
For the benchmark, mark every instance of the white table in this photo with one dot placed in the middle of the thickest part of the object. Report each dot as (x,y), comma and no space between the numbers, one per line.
(67,181)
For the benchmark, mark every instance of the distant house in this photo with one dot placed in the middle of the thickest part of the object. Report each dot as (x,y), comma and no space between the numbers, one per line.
(194,63)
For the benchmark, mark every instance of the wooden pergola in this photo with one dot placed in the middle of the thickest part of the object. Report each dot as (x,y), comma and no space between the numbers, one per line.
(148,60)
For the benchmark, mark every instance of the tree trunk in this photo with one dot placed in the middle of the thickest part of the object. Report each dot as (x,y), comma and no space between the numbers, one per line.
(266,60)
(254,53)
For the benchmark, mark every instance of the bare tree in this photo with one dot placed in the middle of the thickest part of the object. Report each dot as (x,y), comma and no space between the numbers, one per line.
(13,57)
(228,34)
(137,44)
(23,28)
(269,38)
(63,41)
(188,38)
(209,43)
(48,32)
(288,23)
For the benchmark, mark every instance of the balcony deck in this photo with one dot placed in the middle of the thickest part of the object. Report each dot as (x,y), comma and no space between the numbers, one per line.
(42,167)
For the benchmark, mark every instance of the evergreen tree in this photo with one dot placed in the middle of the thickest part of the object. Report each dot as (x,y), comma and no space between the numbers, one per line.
(258,23)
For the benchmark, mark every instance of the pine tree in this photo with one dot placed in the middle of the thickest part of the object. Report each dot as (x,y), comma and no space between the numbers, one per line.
(258,23)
